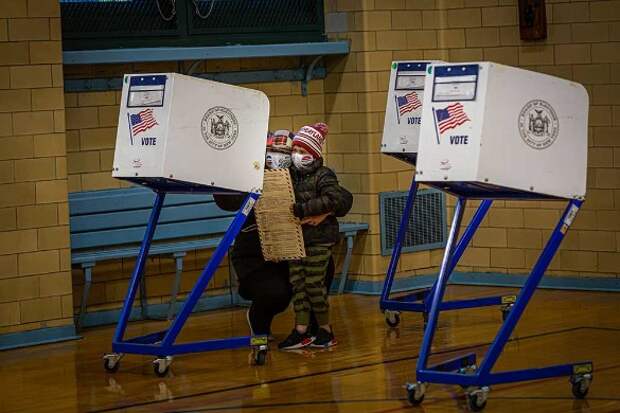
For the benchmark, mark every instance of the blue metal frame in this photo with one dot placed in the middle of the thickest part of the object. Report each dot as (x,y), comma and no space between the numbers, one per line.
(483,376)
(162,343)
(420,301)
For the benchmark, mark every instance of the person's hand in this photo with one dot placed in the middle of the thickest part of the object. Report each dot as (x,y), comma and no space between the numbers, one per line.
(315,219)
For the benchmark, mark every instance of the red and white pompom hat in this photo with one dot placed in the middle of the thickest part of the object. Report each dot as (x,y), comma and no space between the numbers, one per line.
(312,138)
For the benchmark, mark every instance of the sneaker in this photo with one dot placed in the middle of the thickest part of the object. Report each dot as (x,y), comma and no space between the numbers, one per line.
(296,340)
(324,339)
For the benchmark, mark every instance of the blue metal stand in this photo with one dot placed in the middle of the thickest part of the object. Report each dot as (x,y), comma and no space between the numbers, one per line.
(162,343)
(462,370)
(420,300)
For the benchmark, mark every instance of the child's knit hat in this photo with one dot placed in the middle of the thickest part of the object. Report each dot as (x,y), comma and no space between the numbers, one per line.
(312,138)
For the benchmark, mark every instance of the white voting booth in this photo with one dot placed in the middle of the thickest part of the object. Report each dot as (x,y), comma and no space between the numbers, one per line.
(403,111)
(496,132)
(178,133)
(187,132)
(490,127)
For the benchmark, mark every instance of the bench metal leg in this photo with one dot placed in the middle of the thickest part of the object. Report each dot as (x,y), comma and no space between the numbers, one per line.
(88,280)
(232,282)
(346,264)
(143,303)
(178,257)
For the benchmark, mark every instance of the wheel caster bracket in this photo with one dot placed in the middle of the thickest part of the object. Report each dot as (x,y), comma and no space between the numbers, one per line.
(415,392)
(161,365)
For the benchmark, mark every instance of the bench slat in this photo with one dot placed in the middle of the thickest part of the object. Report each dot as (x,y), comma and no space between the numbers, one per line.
(123,199)
(139,218)
(158,249)
(163,232)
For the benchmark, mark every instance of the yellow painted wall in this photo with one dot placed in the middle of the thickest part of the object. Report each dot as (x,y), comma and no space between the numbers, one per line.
(35,278)
(583,45)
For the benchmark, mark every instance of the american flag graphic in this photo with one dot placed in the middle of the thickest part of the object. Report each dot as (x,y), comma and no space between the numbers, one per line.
(408,102)
(142,121)
(451,117)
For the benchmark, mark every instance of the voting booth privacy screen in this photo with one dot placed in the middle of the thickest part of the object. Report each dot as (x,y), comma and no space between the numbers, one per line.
(403,112)
(183,133)
(494,130)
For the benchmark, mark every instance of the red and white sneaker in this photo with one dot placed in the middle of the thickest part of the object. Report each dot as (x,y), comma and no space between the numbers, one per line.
(296,340)
(324,339)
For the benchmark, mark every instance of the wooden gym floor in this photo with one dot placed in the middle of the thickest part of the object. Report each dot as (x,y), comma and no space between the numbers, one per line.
(364,373)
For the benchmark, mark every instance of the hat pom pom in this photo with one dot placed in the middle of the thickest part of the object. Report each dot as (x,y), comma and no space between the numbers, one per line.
(322,128)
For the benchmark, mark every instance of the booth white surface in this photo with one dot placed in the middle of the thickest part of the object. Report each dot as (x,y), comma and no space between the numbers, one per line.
(186,132)
(403,112)
(500,129)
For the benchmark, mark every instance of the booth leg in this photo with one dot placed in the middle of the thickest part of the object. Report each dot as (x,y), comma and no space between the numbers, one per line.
(207,274)
(398,246)
(392,307)
(528,289)
(476,381)
(462,245)
(441,284)
(138,270)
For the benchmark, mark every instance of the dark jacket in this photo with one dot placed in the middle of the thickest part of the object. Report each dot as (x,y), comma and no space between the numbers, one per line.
(317,192)
(246,254)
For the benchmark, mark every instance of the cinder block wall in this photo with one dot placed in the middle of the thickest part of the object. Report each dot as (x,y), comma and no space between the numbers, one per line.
(583,45)
(35,277)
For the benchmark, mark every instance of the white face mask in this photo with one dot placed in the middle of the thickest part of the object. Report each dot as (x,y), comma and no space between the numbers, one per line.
(302,161)
(277,160)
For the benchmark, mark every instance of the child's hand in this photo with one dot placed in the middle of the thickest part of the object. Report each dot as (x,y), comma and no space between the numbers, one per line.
(315,219)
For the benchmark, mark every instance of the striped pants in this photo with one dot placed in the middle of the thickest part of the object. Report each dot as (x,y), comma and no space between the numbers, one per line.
(308,280)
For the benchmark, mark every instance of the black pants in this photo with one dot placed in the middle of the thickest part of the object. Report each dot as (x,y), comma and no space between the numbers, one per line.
(270,292)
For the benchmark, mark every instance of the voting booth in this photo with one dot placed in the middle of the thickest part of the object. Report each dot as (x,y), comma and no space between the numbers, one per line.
(403,111)
(187,133)
(495,132)
(178,133)
(402,133)
(498,130)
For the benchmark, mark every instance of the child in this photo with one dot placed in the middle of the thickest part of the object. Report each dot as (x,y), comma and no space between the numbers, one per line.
(279,147)
(318,198)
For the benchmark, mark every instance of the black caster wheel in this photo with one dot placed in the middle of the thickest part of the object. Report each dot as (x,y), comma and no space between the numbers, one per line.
(392,318)
(260,357)
(161,366)
(580,386)
(111,362)
(111,366)
(415,393)
(477,399)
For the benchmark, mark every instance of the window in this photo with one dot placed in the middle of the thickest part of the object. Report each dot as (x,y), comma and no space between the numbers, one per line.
(105,24)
